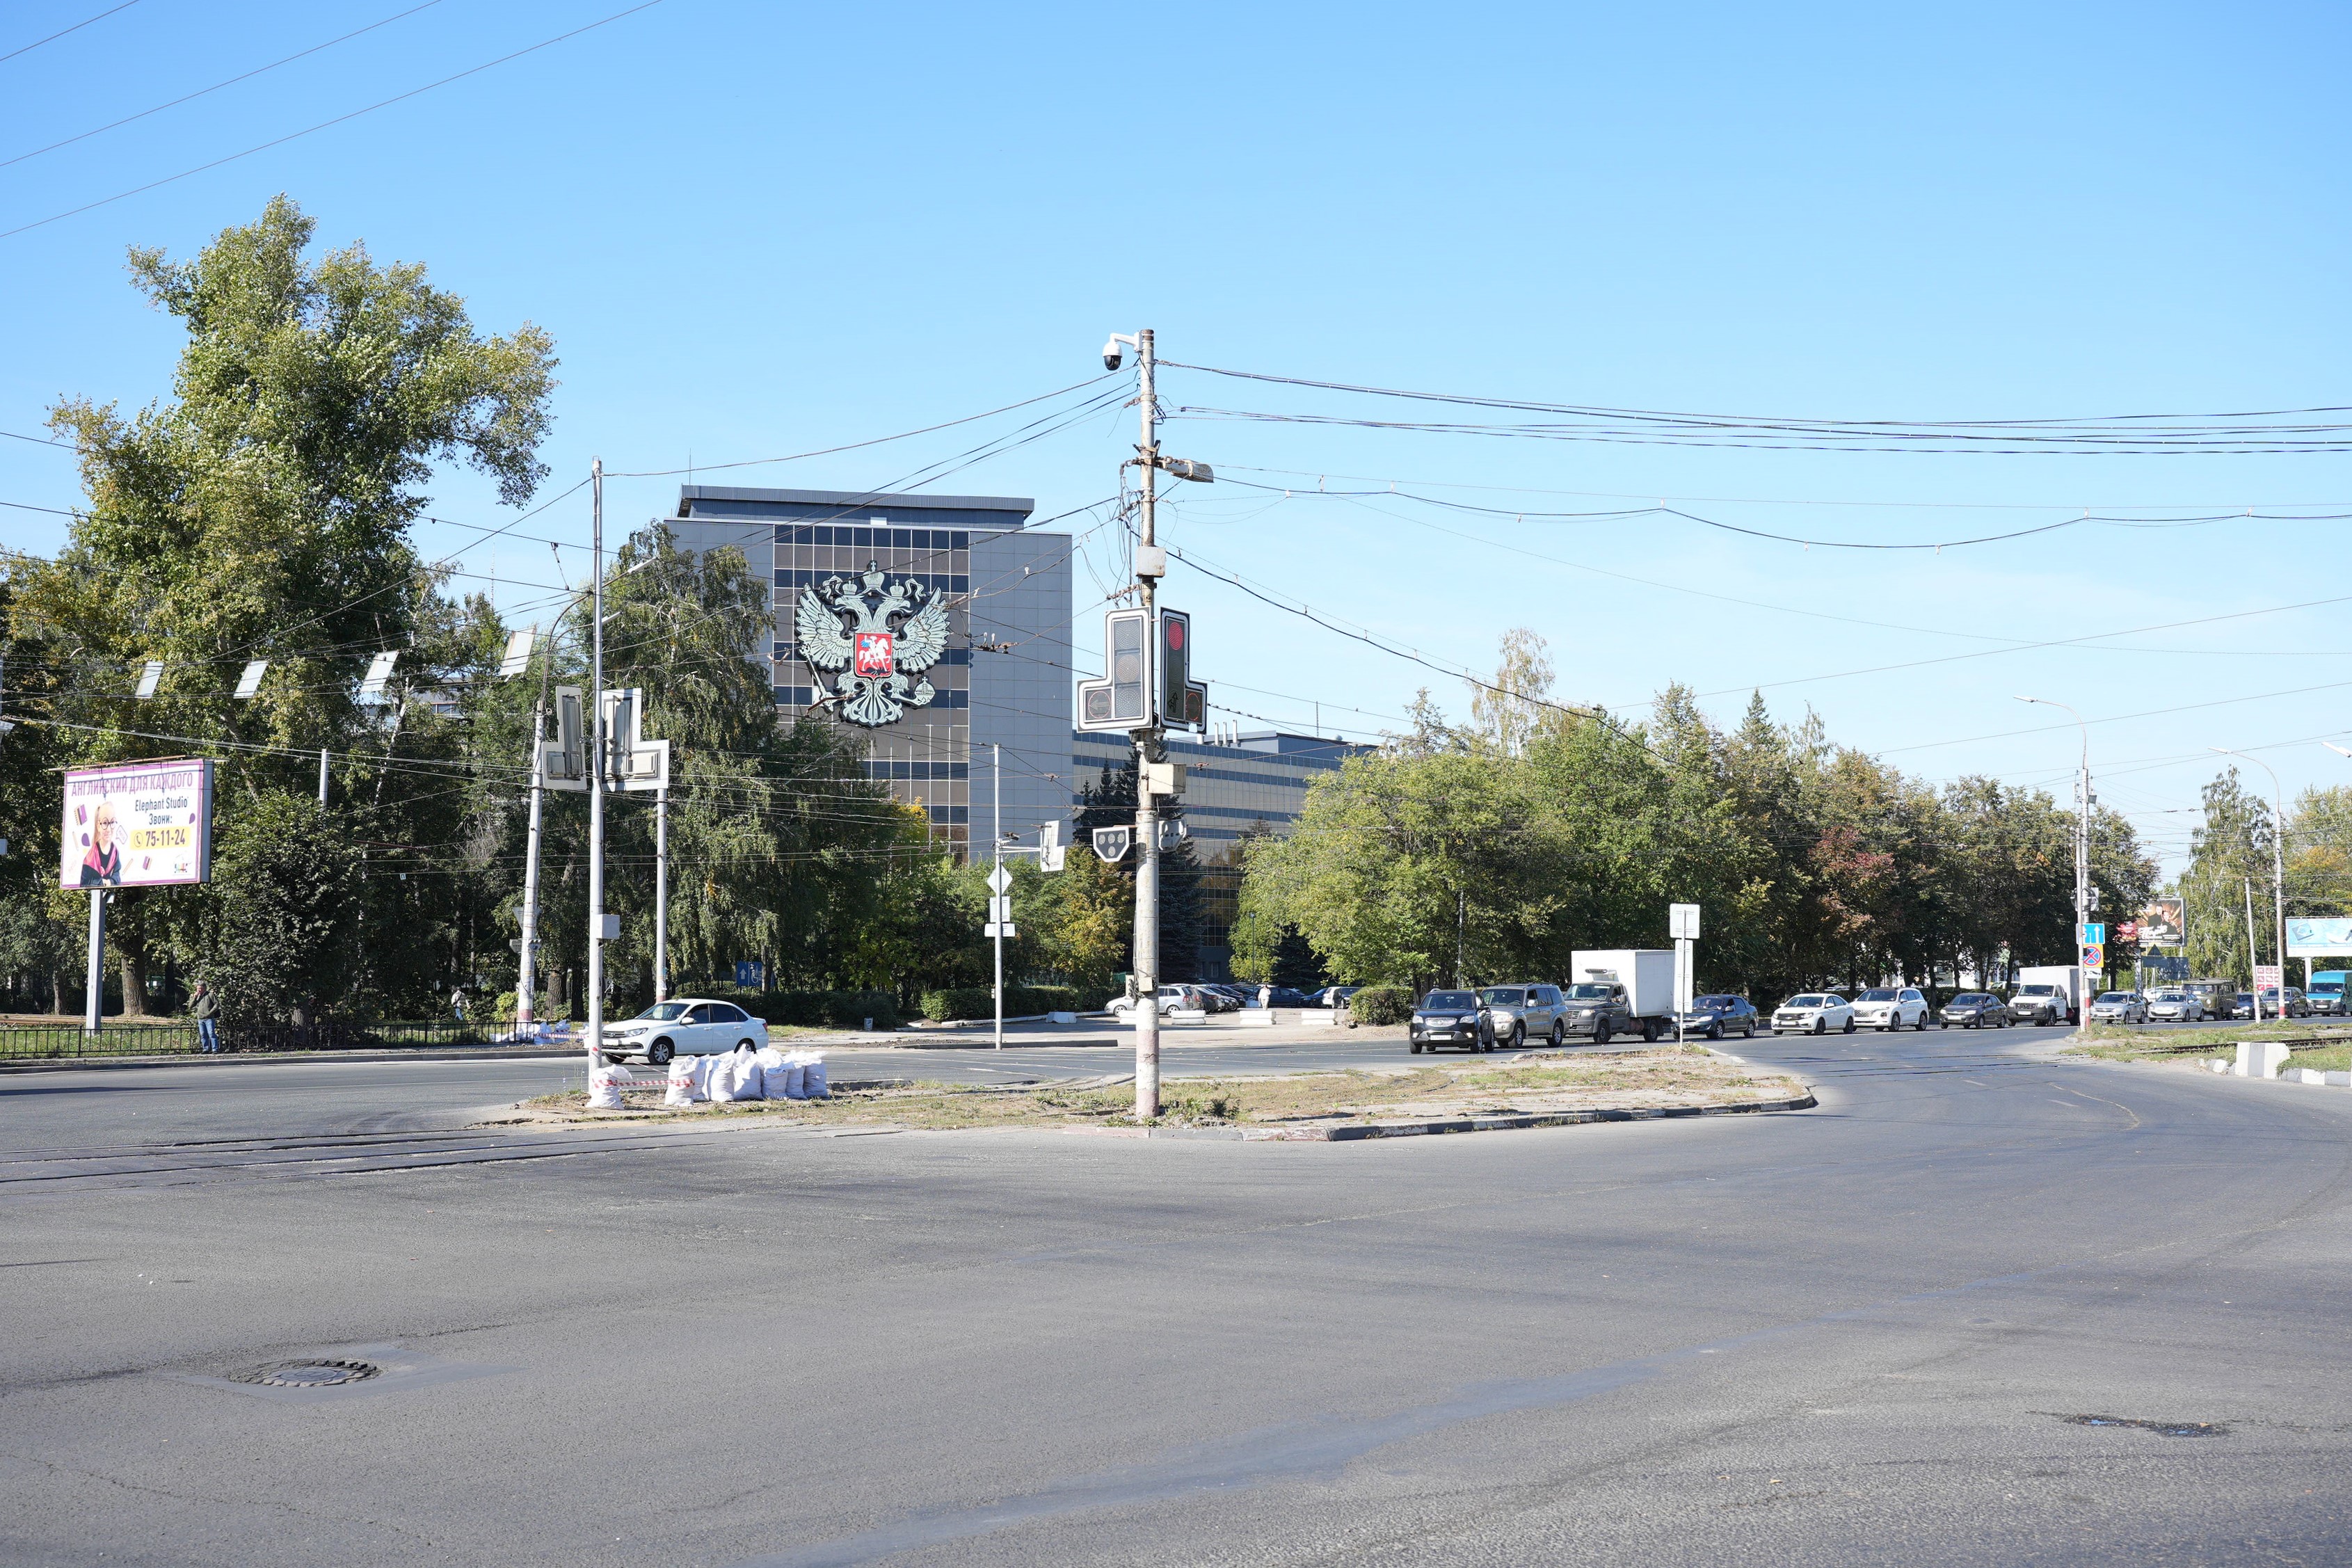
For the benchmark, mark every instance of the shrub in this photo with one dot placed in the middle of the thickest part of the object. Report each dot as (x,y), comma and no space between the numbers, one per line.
(965,1002)
(811,1009)
(1381,1004)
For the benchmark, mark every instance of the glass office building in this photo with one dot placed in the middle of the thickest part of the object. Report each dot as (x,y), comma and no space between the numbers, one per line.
(1001,685)
(1262,778)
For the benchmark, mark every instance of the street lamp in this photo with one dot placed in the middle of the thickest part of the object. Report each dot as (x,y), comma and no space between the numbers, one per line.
(2278,868)
(2084,799)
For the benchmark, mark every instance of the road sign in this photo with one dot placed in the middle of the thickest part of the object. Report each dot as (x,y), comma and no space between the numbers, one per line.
(751,973)
(994,929)
(1000,910)
(1682,921)
(1113,843)
(2095,932)
(999,879)
(2094,957)
(2268,976)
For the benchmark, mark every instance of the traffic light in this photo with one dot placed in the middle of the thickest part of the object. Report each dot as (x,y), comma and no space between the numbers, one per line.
(1175,662)
(1123,700)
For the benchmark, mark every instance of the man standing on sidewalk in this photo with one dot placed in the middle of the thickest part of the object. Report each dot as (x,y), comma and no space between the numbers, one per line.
(207,1009)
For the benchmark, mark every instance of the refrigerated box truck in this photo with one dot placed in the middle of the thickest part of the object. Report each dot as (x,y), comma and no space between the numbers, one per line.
(1645,976)
(2048,994)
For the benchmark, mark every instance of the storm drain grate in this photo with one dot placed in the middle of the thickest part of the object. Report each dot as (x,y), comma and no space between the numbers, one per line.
(312,1374)
(2161,1428)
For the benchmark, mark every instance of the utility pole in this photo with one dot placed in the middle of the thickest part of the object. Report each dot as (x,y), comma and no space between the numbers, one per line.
(2278,873)
(997,890)
(2084,801)
(1146,752)
(526,971)
(661,894)
(596,1031)
(322,775)
(2253,958)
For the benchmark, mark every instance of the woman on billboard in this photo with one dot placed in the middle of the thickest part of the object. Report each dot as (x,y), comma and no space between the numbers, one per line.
(102,866)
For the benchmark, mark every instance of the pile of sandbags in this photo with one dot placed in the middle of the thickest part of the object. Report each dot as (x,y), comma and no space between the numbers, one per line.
(741,1075)
(605,1081)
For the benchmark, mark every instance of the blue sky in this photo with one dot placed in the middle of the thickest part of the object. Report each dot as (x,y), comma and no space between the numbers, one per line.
(761,229)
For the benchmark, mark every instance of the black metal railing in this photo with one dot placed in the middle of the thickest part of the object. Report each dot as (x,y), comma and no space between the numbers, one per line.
(179,1037)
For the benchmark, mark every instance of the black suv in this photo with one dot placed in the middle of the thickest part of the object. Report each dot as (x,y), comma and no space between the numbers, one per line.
(1451,1018)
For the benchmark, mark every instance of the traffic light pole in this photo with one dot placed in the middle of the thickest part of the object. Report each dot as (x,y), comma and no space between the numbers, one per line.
(1146,1011)
(526,971)
(594,1033)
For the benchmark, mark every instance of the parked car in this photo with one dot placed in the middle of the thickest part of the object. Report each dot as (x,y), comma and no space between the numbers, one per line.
(684,1026)
(1892,1007)
(2119,1007)
(1451,1018)
(1235,996)
(1715,1017)
(1518,1011)
(2244,1007)
(1814,1013)
(1335,995)
(2177,1007)
(1172,997)
(2040,1003)
(1976,1010)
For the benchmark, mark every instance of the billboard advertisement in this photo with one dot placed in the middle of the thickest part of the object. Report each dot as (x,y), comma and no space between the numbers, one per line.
(138,824)
(2161,922)
(2308,937)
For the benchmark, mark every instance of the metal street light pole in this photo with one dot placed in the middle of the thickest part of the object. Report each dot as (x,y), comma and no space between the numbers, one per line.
(1147,810)
(2085,800)
(996,832)
(2278,871)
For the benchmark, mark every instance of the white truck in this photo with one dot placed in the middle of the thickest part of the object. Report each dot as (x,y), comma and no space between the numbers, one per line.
(1623,990)
(2047,994)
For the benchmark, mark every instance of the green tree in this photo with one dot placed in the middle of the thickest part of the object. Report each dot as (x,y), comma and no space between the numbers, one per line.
(281,932)
(2229,867)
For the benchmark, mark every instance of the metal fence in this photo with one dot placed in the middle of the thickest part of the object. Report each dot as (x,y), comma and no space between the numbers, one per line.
(22,1042)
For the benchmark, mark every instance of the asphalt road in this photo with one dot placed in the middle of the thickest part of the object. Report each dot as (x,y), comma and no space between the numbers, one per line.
(1981,1307)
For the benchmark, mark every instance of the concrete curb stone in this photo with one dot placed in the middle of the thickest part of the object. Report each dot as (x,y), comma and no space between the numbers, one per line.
(1358,1133)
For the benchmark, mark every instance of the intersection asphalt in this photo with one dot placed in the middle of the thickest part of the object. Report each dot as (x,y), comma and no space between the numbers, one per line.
(1984,1306)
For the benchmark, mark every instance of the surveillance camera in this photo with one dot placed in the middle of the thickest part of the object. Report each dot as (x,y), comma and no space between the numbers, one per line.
(1111,356)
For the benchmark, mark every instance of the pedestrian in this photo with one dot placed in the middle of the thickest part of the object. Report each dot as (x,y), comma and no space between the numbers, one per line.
(457,1002)
(1265,996)
(207,1010)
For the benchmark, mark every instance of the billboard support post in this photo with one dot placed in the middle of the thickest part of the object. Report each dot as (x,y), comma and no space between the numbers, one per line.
(97,992)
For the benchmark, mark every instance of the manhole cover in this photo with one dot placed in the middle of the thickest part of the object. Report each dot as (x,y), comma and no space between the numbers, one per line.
(312,1374)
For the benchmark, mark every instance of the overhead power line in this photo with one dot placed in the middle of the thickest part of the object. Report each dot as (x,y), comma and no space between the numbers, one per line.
(325,124)
(77,26)
(2258,431)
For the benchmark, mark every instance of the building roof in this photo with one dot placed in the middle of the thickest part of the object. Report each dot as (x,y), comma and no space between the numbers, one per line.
(896,501)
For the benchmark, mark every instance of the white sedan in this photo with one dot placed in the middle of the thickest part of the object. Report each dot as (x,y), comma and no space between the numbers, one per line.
(684,1026)
(1814,1013)
(2176,1007)
(1891,1007)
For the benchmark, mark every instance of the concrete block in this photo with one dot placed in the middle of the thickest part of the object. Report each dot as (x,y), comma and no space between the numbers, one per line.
(2304,1074)
(2220,1064)
(2259,1058)
(1255,1017)
(2336,1079)
(1061,1017)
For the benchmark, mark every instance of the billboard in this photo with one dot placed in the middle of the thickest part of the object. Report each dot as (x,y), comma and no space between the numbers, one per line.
(138,824)
(2161,922)
(2312,937)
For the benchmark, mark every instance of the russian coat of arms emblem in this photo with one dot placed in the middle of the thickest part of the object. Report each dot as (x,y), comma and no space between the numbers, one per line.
(875,639)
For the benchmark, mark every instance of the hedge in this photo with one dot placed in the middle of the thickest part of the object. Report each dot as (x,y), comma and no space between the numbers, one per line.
(813,1009)
(966,1002)
(1381,1005)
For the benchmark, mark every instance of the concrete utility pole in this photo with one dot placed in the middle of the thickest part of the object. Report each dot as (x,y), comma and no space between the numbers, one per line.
(997,890)
(322,775)
(1147,751)
(596,1031)
(661,894)
(526,971)
(2252,958)
(2278,872)
(2084,801)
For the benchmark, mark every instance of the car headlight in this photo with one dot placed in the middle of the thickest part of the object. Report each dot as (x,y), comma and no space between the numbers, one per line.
(1467,1018)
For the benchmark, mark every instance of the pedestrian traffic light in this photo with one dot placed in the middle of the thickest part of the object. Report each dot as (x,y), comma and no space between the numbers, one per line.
(1122,701)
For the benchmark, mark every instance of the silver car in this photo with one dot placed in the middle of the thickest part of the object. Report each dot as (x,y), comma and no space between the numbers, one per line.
(1519,1011)
(2177,1007)
(2119,1007)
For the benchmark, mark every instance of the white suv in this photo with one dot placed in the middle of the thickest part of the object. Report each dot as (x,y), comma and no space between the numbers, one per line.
(1891,1007)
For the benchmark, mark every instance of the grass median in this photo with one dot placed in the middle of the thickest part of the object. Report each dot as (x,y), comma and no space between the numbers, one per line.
(1541,1083)
(2326,1046)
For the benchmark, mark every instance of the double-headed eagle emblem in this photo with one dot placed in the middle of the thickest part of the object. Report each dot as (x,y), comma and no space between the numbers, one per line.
(876,638)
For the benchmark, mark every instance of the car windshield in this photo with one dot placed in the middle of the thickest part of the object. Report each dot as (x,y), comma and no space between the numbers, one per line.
(1803,1002)
(2116,996)
(1503,996)
(1449,1001)
(2170,996)
(2038,991)
(1711,1004)
(666,1011)
(1880,994)
(2327,988)
(2245,996)
(1589,993)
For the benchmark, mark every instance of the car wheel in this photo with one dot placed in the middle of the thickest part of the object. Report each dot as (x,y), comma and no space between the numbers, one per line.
(660,1052)
(1751,1030)
(1558,1035)
(1849,1026)
(1820,1026)
(1519,1034)
(1600,1032)
(1921,1027)
(1715,1031)
(1416,1048)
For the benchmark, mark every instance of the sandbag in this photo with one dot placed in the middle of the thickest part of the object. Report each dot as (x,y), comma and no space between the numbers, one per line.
(735,1075)
(813,1078)
(780,1075)
(686,1081)
(604,1085)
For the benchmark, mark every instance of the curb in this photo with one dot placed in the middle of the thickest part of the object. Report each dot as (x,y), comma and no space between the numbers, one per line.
(255,1058)
(1354,1134)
